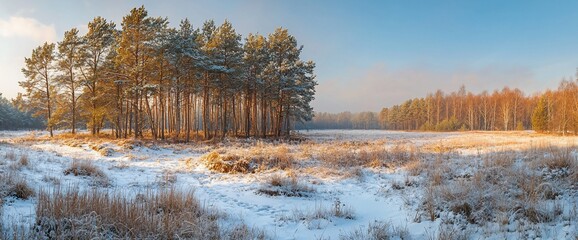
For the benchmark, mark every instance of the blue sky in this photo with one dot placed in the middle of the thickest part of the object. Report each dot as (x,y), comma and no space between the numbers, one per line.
(369,54)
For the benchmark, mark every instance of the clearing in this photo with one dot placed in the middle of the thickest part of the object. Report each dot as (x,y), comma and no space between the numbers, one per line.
(336,184)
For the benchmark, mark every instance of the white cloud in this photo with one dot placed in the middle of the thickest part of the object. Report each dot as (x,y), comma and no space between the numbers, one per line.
(27,28)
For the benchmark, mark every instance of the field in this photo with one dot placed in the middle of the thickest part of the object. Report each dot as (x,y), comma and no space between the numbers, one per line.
(328,185)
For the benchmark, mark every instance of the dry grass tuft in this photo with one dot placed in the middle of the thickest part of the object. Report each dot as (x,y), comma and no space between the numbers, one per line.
(415,168)
(10,155)
(226,163)
(51,179)
(243,232)
(21,190)
(106,152)
(14,186)
(166,214)
(343,157)
(86,168)
(450,232)
(290,186)
(561,158)
(83,168)
(372,154)
(24,161)
(280,158)
(376,231)
(320,216)
(257,159)
(340,210)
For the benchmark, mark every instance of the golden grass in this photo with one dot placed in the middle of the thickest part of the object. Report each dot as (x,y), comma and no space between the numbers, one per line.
(225,163)
(166,214)
(254,159)
(290,185)
(83,168)
(24,160)
(13,185)
(86,168)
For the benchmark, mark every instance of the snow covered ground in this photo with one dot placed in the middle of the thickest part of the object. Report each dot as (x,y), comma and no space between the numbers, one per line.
(333,202)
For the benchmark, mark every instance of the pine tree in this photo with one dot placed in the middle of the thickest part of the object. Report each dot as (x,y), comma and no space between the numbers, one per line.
(183,55)
(12,118)
(209,68)
(39,85)
(540,116)
(151,77)
(225,48)
(255,59)
(98,46)
(301,93)
(291,80)
(135,58)
(69,61)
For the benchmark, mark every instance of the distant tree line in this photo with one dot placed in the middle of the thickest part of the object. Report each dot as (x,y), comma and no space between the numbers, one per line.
(150,78)
(343,120)
(554,111)
(11,118)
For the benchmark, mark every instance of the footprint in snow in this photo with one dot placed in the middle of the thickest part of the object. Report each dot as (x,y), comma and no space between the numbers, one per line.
(264,208)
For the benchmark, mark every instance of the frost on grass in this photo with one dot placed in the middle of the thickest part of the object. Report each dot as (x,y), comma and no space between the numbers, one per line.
(12,185)
(377,231)
(100,214)
(86,168)
(226,163)
(290,186)
(454,186)
(321,215)
(23,161)
(501,189)
(256,159)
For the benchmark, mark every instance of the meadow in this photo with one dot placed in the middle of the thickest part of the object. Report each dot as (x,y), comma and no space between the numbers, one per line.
(323,184)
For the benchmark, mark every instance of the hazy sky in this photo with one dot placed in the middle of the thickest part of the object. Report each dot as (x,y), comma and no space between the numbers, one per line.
(369,54)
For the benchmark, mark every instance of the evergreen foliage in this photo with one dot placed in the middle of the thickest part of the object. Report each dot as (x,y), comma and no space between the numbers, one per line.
(540,116)
(170,82)
(13,119)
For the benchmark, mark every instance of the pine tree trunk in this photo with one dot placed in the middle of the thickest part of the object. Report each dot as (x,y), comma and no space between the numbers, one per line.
(73,104)
(48,103)
(254,120)
(248,113)
(152,122)
(205,107)
(263,117)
